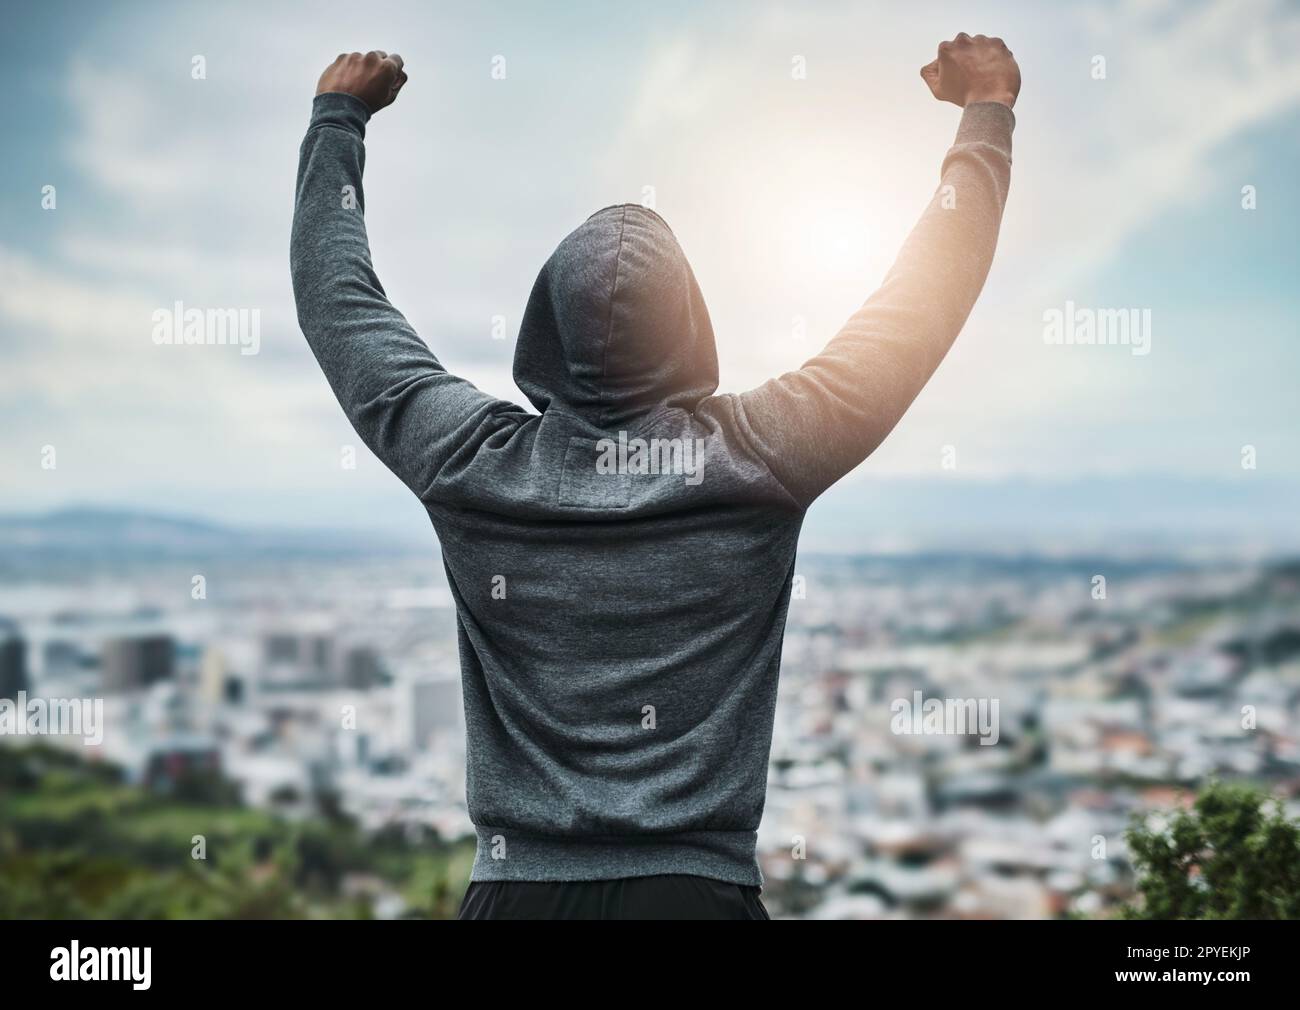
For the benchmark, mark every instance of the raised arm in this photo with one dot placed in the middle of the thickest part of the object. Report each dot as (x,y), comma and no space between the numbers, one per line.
(403,404)
(813,425)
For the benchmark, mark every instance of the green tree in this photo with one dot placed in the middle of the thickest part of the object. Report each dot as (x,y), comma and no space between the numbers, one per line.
(1233,855)
(78,841)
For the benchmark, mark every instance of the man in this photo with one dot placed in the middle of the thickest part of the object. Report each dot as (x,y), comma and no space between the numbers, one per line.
(621,560)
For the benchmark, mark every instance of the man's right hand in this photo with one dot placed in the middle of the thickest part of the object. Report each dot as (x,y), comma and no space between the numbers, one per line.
(375,78)
(970,70)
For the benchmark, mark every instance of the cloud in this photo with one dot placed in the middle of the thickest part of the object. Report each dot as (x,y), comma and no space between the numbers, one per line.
(1181,81)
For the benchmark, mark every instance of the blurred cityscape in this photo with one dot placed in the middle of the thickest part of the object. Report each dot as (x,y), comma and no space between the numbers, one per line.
(319,677)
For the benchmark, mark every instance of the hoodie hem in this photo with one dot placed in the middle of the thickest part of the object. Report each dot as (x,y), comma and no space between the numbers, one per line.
(729,856)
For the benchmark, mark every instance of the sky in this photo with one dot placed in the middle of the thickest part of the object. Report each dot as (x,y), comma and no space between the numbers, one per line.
(790,195)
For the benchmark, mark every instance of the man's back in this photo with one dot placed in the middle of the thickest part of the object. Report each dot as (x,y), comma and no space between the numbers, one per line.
(620,673)
(622,558)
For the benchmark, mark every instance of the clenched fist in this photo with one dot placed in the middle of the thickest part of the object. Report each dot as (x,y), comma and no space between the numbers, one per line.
(375,78)
(969,70)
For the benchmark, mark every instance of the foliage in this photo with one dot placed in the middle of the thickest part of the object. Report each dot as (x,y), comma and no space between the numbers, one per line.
(77,841)
(1233,855)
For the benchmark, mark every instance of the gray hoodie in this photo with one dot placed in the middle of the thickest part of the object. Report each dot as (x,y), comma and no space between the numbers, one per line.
(622,558)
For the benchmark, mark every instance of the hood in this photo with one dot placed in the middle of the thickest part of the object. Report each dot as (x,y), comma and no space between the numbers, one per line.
(616,325)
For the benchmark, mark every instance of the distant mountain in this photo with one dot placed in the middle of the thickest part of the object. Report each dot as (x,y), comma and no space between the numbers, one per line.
(88,531)
(1247,515)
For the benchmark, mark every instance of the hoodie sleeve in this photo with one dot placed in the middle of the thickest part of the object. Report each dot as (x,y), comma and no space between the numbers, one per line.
(814,425)
(403,404)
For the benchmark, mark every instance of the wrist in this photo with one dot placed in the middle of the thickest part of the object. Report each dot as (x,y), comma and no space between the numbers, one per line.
(1000,95)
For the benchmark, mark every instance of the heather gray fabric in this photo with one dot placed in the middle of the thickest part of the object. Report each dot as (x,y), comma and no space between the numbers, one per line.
(620,632)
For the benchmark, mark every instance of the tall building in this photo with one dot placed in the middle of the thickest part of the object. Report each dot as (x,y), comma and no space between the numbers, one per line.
(309,650)
(362,669)
(212,676)
(437,711)
(13,664)
(299,659)
(129,664)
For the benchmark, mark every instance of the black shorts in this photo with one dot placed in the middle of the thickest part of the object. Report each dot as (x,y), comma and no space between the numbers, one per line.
(664,897)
